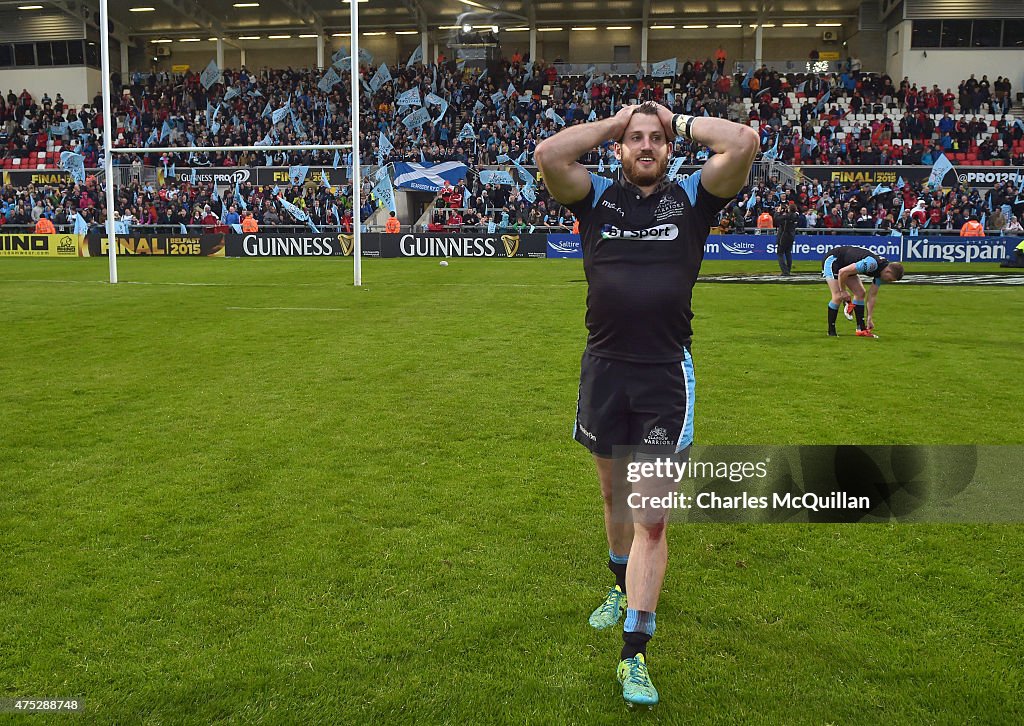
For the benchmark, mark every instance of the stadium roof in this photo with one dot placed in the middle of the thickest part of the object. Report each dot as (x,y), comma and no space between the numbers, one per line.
(226,19)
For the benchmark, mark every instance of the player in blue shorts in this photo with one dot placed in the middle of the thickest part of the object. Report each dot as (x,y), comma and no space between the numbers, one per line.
(841,269)
(643,242)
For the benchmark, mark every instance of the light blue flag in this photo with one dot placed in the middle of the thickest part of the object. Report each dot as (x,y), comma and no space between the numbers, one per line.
(297,213)
(267,110)
(435,100)
(478,107)
(519,121)
(193,176)
(521,159)
(328,80)
(503,158)
(530,193)
(410,98)
(337,158)
(340,53)
(182,229)
(153,136)
(674,167)
(467,133)
(482,76)
(592,116)
(491,227)
(752,201)
(820,106)
(940,168)
(265,141)
(210,75)
(165,131)
(416,119)
(614,166)
(297,174)
(497,97)
(280,113)
(276,191)
(385,193)
(365,56)
(174,176)
(488,176)
(511,90)
(416,57)
(342,65)
(382,76)
(773,153)
(214,128)
(76,126)
(664,68)
(81,226)
(550,113)
(239,197)
(880,189)
(600,165)
(801,86)
(524,173)
(74,164)
(745,83)
(232,92)
(525,98)
(984,216)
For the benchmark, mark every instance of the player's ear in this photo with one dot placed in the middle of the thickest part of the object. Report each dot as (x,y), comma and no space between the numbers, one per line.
(617,150)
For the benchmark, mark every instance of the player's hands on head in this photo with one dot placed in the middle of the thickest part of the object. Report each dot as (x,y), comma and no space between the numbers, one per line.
(621,121)
(665,116)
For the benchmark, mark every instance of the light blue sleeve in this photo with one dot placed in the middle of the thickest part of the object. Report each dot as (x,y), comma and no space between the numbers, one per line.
(867,265)
(689,185)
(600,184)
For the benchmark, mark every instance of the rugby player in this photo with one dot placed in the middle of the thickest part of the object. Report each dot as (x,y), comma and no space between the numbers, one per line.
(841,269)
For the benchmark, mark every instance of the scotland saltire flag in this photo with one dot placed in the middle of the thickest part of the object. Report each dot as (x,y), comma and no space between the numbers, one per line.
(428,177)
(664,68)
(940,168)
(210,75)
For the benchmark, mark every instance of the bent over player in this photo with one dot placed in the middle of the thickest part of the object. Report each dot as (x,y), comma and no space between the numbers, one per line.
(841,269)
(643,242)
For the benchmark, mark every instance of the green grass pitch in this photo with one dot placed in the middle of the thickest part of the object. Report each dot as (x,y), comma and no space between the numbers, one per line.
(268,496)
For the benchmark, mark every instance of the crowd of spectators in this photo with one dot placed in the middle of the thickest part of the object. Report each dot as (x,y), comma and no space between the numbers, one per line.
(798,115)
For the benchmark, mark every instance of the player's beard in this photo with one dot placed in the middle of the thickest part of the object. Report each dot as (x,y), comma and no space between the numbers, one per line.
(644,178)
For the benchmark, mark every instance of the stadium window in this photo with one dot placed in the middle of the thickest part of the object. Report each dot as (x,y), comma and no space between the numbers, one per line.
(24,54)
(76,54)
(926,34)
(986,33)
(44,54)
(956,33)
(1013,34)
(92,54)
(6,55)
(60,53)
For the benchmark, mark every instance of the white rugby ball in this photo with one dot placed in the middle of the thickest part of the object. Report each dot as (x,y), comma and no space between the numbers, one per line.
(444,263)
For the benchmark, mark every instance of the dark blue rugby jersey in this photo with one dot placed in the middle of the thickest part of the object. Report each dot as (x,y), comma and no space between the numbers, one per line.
(868,263)
(641,256)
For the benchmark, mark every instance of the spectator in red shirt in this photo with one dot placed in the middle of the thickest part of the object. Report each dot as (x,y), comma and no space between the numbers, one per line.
(455,221)
(210,221)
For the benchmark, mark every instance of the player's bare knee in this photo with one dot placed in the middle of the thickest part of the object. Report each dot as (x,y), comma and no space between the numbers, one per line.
(653,530)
